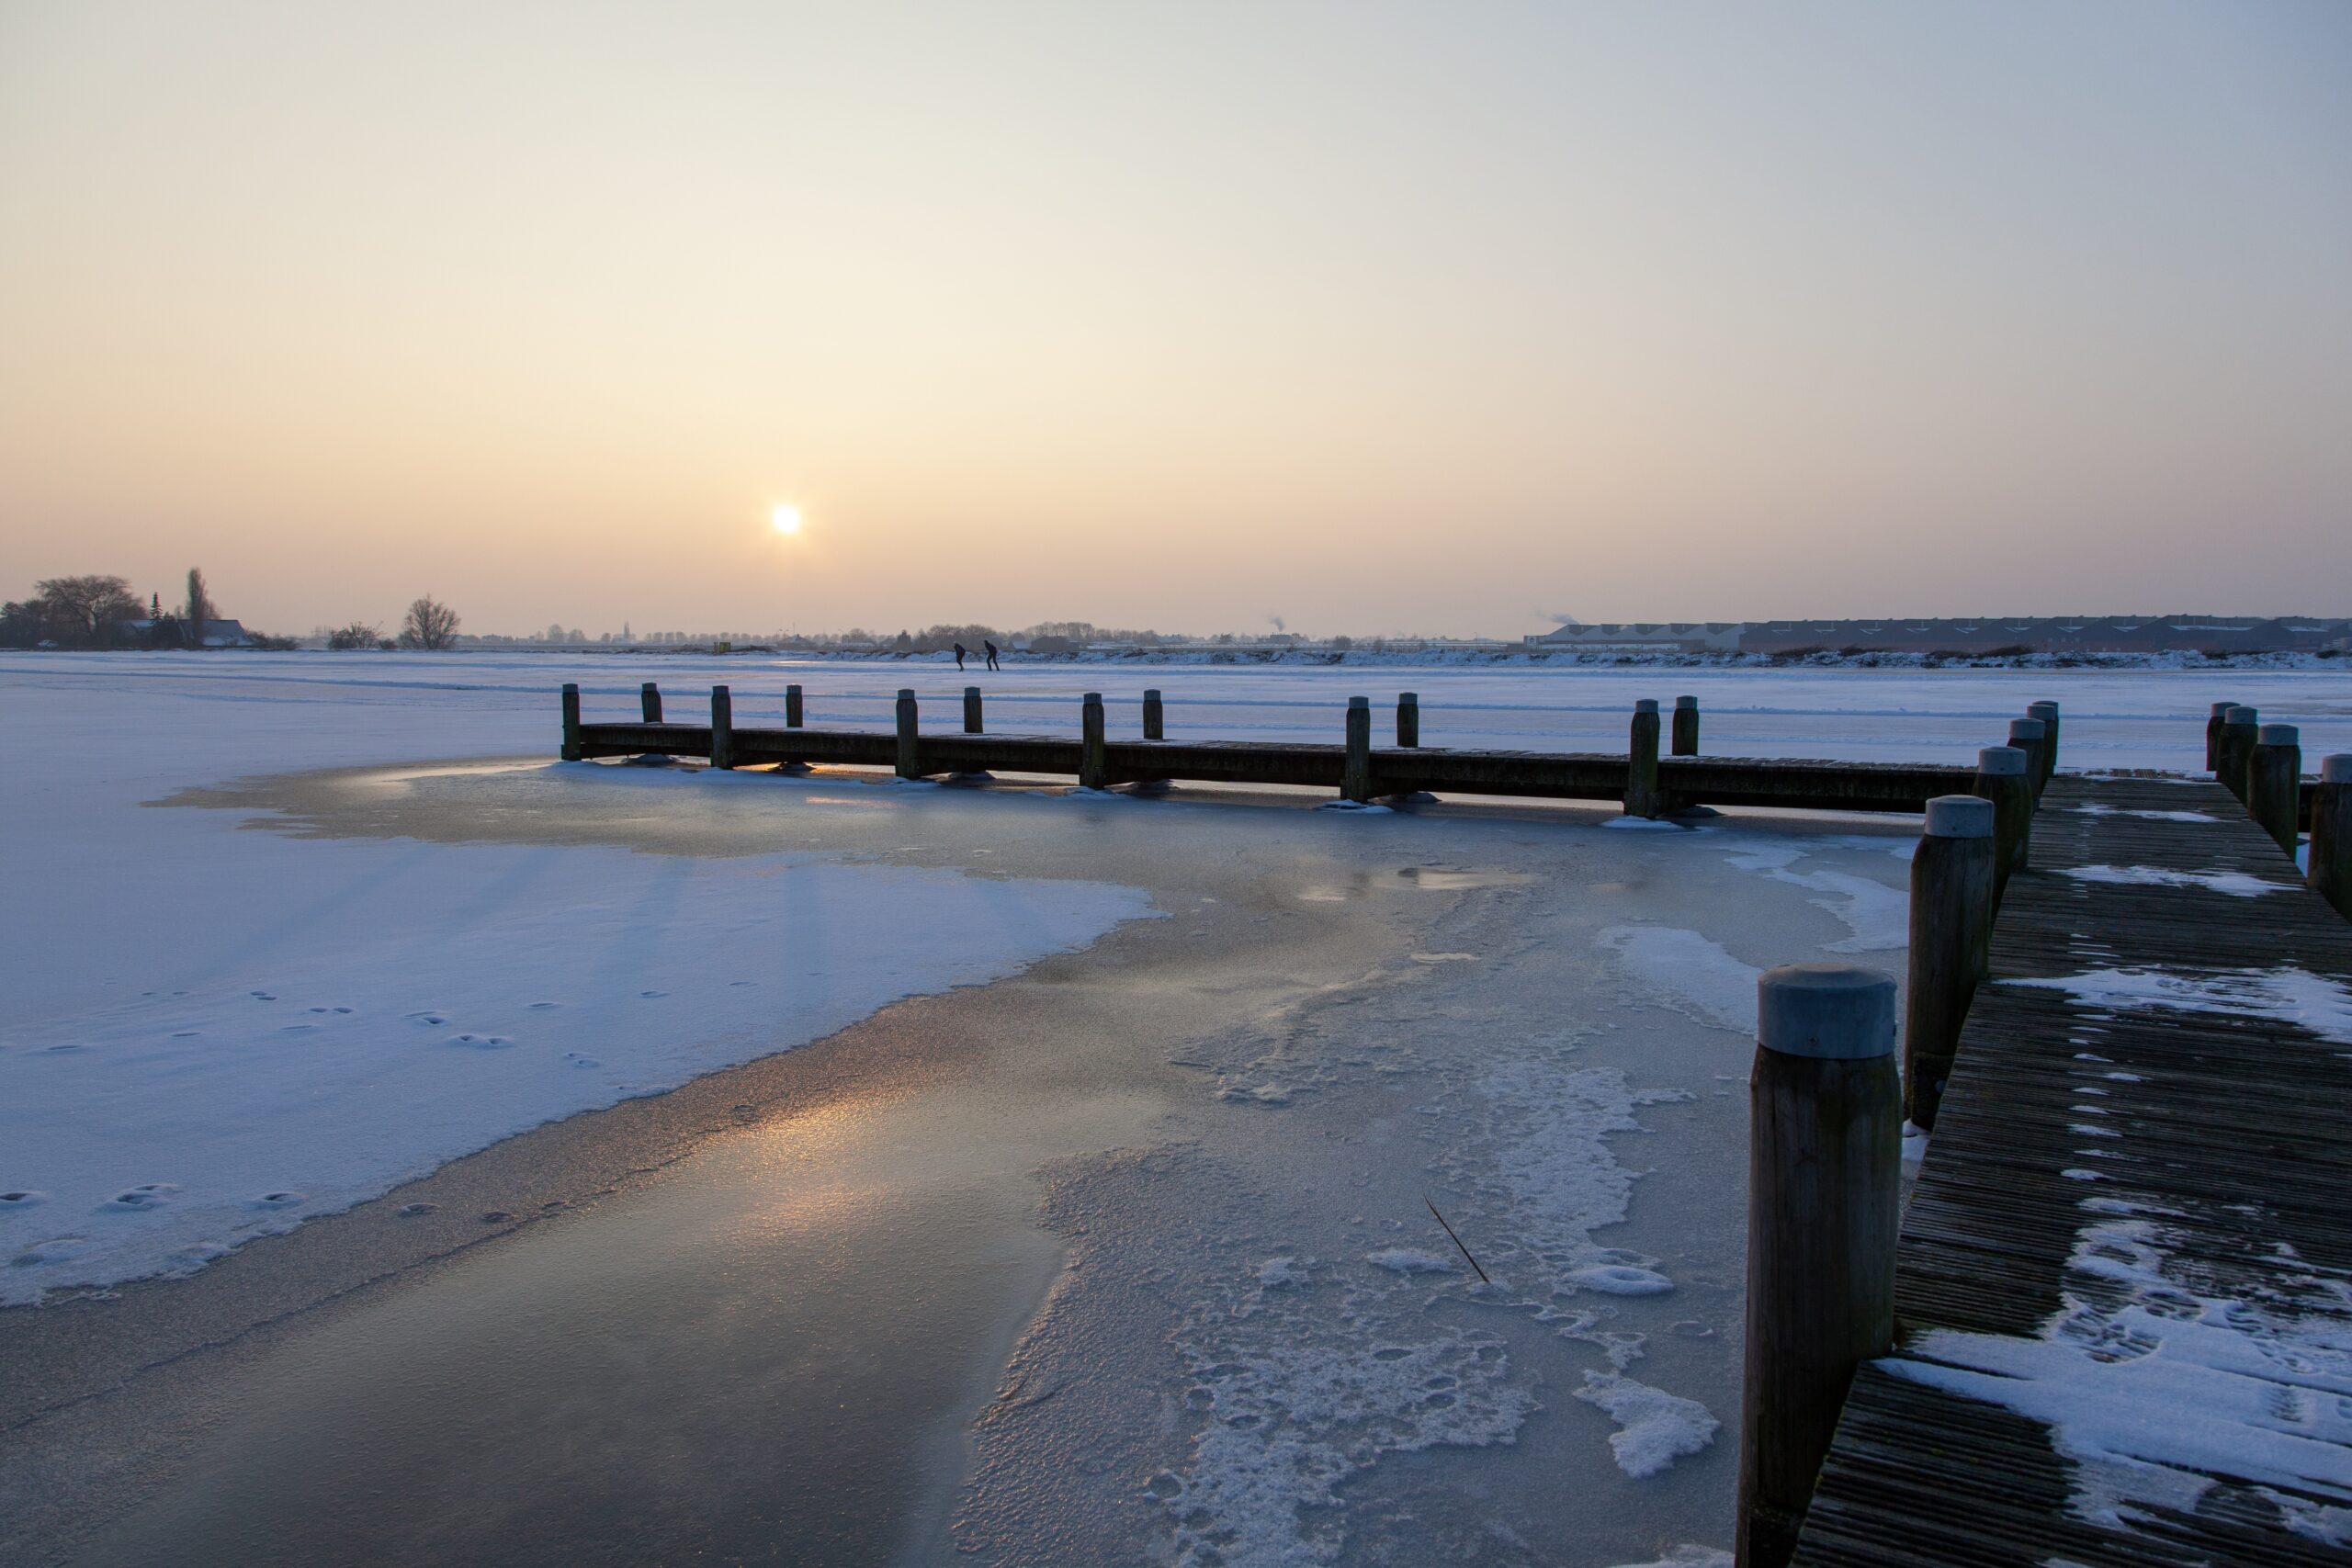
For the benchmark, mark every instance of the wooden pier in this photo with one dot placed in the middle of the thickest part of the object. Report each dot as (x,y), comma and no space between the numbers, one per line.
(2094,1158)
(1681,781)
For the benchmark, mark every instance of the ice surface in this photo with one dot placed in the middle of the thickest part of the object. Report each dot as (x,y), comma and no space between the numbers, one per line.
(1691,974)
(216,1034)
(2236,883)
(1688,1557)
(2286,994)
(1654,1429)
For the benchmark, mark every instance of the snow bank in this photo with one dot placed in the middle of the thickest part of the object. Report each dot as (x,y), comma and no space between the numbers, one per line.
(1654,1429)
(2236,883)
(2288,994)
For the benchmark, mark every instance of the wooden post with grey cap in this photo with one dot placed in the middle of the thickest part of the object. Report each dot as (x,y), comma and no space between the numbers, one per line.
(2000,778)
(1409,718)
(1825,1161)
(1642,797)
(2047,712)
(2274,779)
(909,765)
(1951,924)
(649,702)
(792,707)
(2330,876)
(722,728)
(2026,735)
(1686,726)
(571,748)
(2214,736)
(1093,766)
(1155,715)
(1355,771)
(2241,732)
(972,710)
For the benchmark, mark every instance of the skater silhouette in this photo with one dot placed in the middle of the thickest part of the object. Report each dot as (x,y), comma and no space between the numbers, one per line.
(959,658)
(991,651)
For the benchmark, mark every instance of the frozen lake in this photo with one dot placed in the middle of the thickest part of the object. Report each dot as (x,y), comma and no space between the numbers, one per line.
(1090,1219)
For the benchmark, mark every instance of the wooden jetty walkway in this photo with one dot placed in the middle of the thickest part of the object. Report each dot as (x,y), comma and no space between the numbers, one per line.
(2110,1180)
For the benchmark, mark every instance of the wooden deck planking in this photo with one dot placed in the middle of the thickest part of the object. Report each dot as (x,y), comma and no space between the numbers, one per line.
(2242,1125)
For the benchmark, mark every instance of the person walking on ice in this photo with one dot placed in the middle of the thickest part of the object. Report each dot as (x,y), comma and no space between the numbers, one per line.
(959,658)
(991,651)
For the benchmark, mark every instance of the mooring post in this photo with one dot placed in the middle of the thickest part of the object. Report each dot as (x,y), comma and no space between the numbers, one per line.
(1093,767)
(909,762)
(1355,775)
(2213,737)
(2330,876)
(1824,1178)
(1686,726)
(2026,735)
(2047,712)
(1154,718)
(1641,798)
(792,707)
(571,750)
(972,710)
(2241,730)
(1951,920)
(1409,718)
(648,698)
(2274,779)
(722,728)
(2000,778)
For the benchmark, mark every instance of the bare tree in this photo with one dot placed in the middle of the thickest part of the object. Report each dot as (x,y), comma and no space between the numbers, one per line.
(199,607)
(357,635)
(430,624)
(85,609)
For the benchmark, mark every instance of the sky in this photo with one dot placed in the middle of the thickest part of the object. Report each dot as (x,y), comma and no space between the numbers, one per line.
(1373,318)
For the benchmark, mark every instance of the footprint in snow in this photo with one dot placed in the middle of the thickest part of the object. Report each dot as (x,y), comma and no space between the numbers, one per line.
(262,995)
(330,1010)
(579,1060)
(56,1249)
(413,1210)
(428,1019)
(481,1041)
(136,1199)
(186,1033)
(652,993)
(275,1201)
(545,1007)
(23,1197)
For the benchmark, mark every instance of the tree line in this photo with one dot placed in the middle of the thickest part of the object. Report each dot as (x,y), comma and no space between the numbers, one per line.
(98,611)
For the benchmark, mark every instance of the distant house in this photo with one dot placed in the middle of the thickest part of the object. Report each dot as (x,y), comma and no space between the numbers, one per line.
(217,632)
(1684,637)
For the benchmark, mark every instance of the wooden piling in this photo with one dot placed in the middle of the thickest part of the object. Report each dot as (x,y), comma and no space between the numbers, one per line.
(1409,718)
(1154,715)
(2027,736)
(2273,775)
(909,757)
(792,707)
(1641,797)
(1824,1174)
(2241,731)
(2001,778)
(571,750)
(722,728)
(1093,768)
(2214,736)
(1951,925)
(1686,726)
(2047,712)
(649,700)
(2330,874)
(1355,771)
(972,710)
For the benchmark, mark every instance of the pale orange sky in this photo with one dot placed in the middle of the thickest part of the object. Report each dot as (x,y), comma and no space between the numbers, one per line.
(1381,317)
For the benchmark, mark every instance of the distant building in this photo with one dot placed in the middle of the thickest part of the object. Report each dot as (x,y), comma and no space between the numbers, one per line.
(1964,635)
(217,633)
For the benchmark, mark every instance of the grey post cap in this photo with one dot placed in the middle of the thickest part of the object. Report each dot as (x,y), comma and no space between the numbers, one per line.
(2280,735)
(2036,708)
(1837,1012)
(1360,702)
(2336,769)
(1645,704)
(2221,710)
(905,692)
(2000,759)
(1151,691)
(2027,729)
(1094,697)
(2241,714)
(1409,696)
(1959,817)
(1686,701)
(971,691)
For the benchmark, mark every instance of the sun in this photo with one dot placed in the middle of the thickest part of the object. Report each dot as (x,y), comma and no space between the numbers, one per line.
(786,519)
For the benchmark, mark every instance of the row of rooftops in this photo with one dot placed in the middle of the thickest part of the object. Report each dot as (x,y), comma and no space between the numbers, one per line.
(2121,634)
